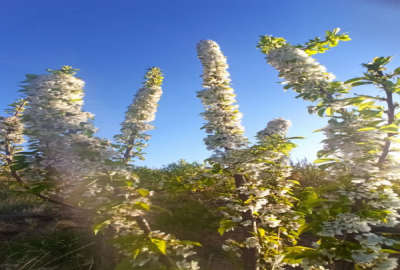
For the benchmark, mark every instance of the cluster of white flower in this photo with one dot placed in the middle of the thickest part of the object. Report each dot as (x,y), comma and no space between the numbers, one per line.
(11,129)
(11,138)
(140,113)
(370,256)
(11,134)
(120,187)
(347,223)
(378,199)
(60,131)
(352,148)
(301,72)
(354,155)
(277,126)
(261,200)
(222,115)
(266,189)
(358,151)
(66,152)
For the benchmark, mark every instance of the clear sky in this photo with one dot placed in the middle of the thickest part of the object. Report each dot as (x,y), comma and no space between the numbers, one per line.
(114,42)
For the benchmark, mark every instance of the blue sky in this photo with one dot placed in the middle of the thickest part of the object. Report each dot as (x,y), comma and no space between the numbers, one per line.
(114,42)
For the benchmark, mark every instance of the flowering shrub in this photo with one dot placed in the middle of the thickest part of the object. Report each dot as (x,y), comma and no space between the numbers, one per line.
(349,218)
(244,196)
(259,204)
(140,113)
(65,161)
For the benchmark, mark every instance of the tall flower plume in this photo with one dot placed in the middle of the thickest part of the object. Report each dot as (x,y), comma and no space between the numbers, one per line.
(300,71)
(140,113)
(60,131)
(11,132)
(265,196)
(221,113)
(352,154)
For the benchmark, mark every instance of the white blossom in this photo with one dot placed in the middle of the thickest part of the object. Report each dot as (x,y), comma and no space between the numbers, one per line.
(11,129)
(264,195)
(11,133)
(221,113)
(352,149)
(301,72)
(359,151)
(277,126)
(60,131)
(140,113)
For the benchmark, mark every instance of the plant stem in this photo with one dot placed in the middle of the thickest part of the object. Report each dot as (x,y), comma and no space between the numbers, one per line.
(390,113)
(249,254)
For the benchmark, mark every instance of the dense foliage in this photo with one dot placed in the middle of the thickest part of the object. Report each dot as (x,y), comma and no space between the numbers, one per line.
(76,201)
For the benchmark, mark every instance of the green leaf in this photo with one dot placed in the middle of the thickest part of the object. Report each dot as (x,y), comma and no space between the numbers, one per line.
(98,227)
(329,111)
(142,205)
(75,100)
(344,38)
(381,61)
(303,228)
(392,128)
(361,83)
(366,105)
(396,71)
(355,100)
(225,225)
(129,183)
(367,129)
(193,243)
(309,199)
(19,162)
(296,138)
(372,113)
(160,244)
(298,249)
(318,130)
(391,251)
(143,192)
(261,232)
(297,253)
(135,253)
(323,160)
(354,80)
(38,188)
(294,181)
